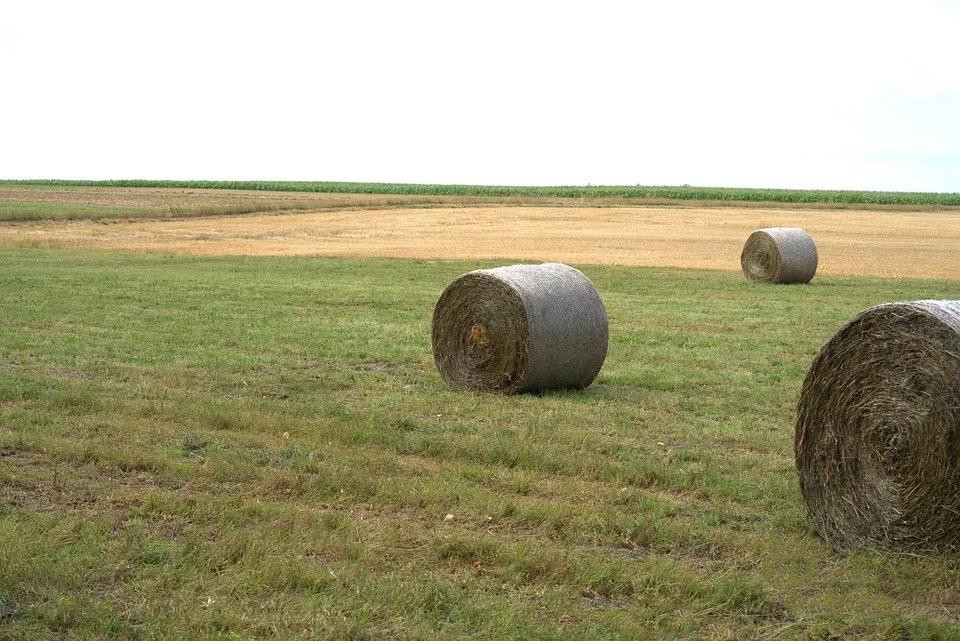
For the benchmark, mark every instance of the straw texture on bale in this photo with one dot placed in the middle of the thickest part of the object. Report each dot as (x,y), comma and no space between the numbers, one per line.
(877,438)
(520,328)
(779,255)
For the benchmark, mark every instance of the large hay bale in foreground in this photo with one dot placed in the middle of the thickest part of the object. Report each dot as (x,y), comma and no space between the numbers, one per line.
(878,430)
(520,328)
(779,255)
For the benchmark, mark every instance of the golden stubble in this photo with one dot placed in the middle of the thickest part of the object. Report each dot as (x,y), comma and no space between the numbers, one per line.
(850,242)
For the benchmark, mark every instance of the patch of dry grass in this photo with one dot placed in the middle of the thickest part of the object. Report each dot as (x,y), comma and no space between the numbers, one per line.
(850,242)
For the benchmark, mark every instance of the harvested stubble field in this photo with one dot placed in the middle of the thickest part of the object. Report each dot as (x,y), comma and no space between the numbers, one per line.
(875,243)
(231,447)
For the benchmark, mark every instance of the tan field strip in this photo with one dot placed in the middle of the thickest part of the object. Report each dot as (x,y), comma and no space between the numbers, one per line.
(140,202)
(163,200)
(851,242)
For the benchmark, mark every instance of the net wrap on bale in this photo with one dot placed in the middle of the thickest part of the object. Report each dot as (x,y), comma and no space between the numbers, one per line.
(520,328)
(877,438)
(783,255)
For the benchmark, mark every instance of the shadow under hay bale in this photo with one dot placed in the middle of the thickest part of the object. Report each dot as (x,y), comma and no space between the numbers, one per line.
(784,255)
(520,328)
(877,438)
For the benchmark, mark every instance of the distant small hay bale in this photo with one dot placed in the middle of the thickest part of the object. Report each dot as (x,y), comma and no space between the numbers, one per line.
(779,255)
(877,439)
(520,328)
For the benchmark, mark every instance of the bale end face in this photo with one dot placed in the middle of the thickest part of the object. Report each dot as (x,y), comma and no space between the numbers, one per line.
(877,439)
(479,333)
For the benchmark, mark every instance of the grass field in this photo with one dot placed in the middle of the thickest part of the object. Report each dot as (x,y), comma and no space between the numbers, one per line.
(260,447)
(684,192)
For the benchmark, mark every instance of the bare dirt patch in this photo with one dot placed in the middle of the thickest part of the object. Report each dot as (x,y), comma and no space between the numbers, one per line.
(850,242)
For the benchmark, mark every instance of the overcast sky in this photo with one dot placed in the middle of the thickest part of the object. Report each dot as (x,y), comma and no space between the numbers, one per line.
(861,95)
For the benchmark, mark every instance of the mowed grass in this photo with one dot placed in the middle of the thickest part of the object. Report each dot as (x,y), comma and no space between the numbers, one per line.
(672,192)
(238,448)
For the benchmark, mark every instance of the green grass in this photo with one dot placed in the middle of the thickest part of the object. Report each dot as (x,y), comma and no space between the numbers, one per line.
(237,448)
(600,191)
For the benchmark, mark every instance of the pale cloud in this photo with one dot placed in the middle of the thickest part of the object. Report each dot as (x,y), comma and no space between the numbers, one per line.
(817,94)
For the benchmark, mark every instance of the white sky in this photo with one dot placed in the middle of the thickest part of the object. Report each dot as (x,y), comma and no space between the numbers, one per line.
(831,94)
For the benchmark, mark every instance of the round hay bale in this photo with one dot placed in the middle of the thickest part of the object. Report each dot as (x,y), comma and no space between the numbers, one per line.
(877,438)
(779,255)
(520,328)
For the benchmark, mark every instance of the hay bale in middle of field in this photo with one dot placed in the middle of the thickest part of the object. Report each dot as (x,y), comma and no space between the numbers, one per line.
(520,328)
(783,255)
